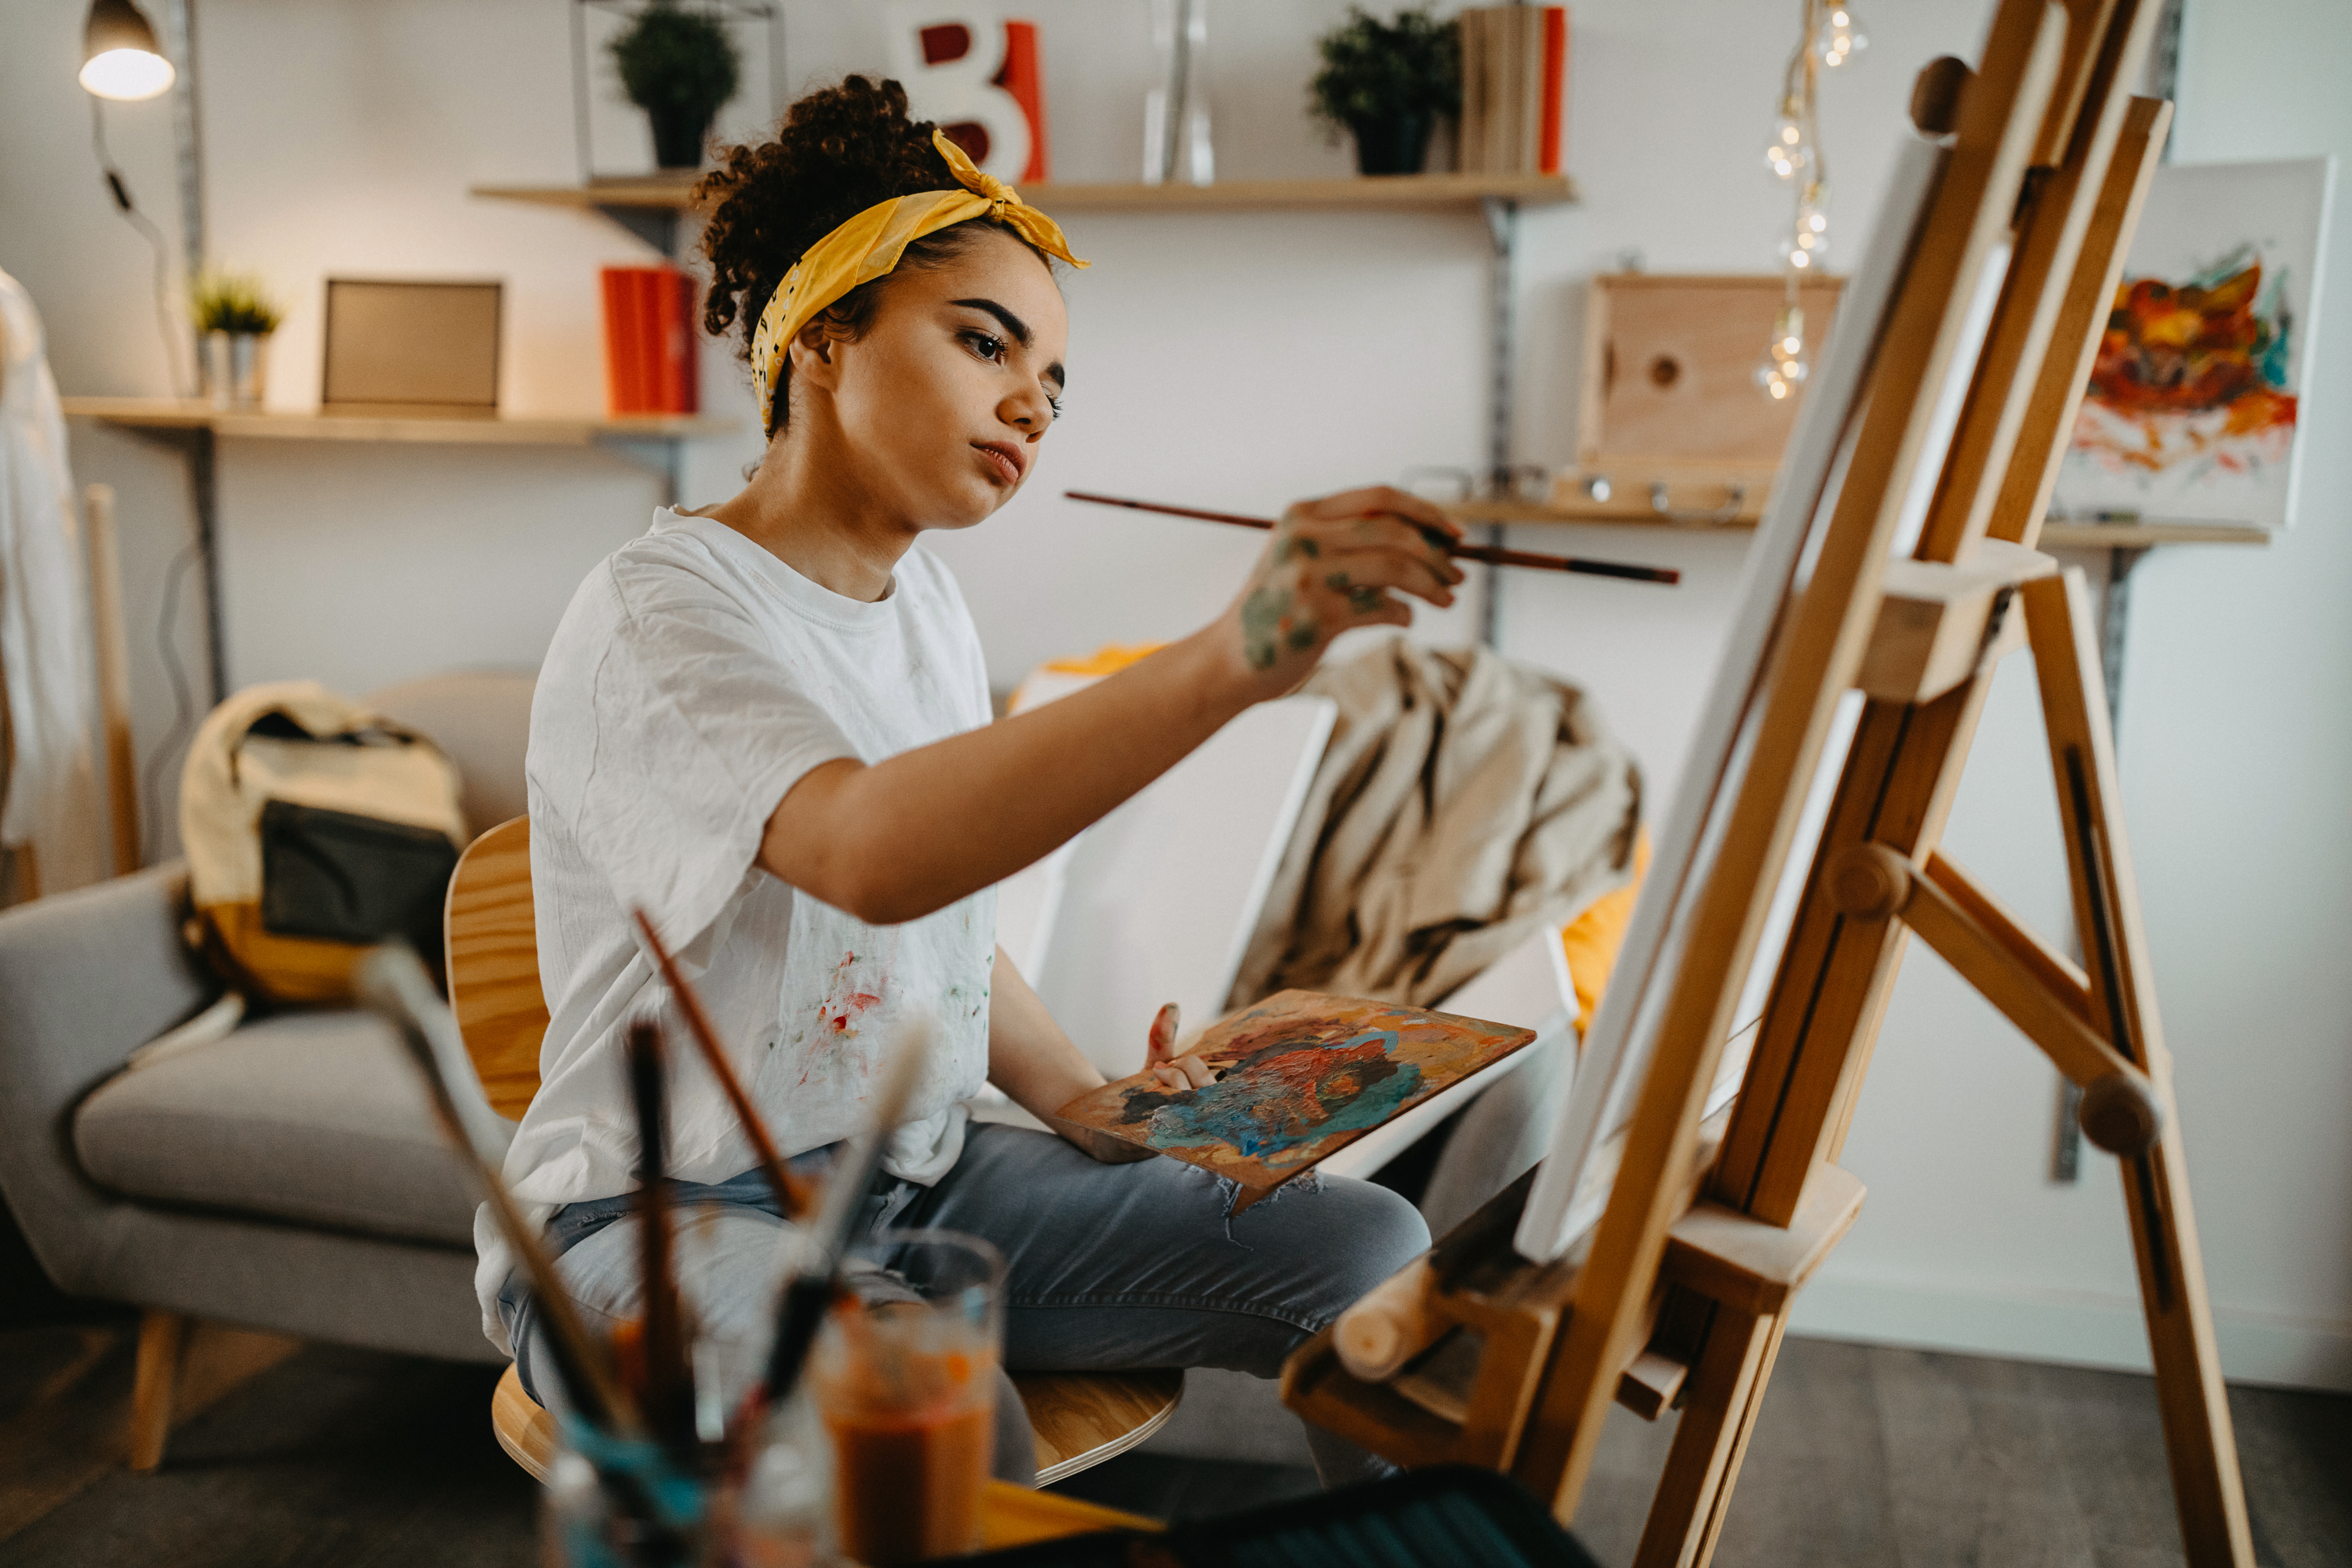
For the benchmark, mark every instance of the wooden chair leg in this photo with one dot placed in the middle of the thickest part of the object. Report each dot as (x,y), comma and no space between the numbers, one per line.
(161,1336)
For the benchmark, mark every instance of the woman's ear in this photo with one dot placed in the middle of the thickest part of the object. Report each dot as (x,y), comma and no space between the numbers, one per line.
(815,363)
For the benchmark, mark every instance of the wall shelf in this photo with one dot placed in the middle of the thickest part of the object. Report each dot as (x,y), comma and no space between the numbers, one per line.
(660,193)
(502,430)
(2055,535)
(192,428)
(2140,535)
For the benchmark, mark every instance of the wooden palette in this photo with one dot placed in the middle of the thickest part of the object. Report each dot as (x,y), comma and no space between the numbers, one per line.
(1300,1076)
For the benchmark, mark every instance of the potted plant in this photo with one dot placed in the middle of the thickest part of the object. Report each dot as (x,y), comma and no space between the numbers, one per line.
(1389,82)
(234,317)
(679,66)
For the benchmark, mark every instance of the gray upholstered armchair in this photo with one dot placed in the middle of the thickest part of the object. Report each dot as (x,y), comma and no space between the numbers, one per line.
(287,1176)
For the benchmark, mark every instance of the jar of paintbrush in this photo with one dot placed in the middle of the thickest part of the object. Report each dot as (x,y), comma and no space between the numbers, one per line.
(696,1452)
(760,1496)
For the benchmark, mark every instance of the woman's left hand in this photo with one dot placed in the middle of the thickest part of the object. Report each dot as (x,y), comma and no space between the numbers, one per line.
(1159,1059)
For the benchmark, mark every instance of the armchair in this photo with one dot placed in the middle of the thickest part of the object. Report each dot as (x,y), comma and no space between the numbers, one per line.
(287,1176)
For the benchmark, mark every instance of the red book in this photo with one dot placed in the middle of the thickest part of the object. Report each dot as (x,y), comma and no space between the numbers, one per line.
(624,380)
(690,384)
(645,323)
(1555,88)
(681,391)
(1024,76)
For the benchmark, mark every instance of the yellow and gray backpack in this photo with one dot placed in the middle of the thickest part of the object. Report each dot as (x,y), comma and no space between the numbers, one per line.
(314,829)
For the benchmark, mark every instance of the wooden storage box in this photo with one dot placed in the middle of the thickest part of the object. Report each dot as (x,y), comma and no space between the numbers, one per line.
(1671,421)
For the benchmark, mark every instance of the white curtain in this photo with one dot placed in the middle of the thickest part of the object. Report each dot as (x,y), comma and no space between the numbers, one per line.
(52,803)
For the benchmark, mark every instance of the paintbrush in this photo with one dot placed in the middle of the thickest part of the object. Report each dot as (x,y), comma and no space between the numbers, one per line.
(668,1395)
(1492,554)
(809,1288)
(393,982)
(790,1191)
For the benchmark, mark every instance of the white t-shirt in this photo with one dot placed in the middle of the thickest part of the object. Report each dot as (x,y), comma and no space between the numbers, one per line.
(693,681)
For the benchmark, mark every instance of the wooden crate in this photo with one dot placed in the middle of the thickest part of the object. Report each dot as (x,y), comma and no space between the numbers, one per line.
(1670,396)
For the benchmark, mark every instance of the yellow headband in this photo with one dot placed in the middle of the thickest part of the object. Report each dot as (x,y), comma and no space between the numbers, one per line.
(869,244)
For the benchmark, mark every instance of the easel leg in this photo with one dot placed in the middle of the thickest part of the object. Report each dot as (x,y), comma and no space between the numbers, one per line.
(1727,1387)
(2199,1441)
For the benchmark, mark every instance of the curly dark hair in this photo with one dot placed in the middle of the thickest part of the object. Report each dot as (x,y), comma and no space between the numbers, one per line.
(836,153)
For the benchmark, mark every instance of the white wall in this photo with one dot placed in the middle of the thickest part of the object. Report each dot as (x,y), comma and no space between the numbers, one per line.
(1241,359)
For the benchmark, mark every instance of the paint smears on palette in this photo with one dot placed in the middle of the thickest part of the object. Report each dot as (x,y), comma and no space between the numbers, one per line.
(1300,1077)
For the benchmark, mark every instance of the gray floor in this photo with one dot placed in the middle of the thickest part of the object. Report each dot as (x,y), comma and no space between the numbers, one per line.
(1863,1456)
(1870,1456)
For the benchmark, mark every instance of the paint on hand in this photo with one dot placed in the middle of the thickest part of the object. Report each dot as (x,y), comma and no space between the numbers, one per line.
(1161,1043)
(1362,599)
(1270,622)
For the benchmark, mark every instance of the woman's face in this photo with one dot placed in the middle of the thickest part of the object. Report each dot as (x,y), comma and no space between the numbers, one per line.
(944,401)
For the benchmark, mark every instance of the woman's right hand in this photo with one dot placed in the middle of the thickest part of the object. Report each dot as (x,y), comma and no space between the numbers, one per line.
(1333,564)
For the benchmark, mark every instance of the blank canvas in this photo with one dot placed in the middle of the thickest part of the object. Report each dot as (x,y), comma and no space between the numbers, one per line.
(1158,899)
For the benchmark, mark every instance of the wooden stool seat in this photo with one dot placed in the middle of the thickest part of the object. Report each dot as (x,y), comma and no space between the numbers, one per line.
(1080,1419)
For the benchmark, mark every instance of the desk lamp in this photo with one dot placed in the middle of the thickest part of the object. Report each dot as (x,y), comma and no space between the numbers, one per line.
(121,58)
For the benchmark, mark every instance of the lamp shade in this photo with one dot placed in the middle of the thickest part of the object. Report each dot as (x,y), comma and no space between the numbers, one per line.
(120,56)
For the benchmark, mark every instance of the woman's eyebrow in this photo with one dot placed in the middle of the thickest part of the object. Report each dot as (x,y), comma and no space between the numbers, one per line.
(1012,323)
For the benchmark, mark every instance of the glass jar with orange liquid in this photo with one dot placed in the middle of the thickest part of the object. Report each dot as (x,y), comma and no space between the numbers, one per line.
(904,1376)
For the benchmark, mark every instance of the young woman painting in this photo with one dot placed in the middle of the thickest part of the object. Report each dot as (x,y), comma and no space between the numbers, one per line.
(766,723)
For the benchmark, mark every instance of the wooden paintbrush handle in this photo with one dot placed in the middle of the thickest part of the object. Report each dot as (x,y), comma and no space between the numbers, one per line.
(790,1191)
(1491,554)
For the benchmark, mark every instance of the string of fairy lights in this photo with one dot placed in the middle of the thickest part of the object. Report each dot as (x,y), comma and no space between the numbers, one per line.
(1830,39)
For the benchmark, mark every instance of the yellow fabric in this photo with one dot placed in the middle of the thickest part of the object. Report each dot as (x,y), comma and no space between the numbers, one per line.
(869,244)
(1108,660)
(1594,938)
(1060,677)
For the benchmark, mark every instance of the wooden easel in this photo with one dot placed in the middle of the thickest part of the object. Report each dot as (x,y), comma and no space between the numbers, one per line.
(1681,1295)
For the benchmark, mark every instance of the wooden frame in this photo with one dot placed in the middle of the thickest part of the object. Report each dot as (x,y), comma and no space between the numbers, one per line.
(385,349)
(1968,401)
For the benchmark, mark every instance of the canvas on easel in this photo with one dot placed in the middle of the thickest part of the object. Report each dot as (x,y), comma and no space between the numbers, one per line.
(1573,1188)
(1879,607)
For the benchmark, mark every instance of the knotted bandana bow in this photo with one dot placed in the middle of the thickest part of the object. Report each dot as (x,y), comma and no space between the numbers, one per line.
(869,244)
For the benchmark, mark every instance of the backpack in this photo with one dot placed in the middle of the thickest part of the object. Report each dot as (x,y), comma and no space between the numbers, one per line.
(314,829)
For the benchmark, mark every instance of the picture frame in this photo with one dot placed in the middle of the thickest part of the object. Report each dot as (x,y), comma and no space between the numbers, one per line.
(419,347)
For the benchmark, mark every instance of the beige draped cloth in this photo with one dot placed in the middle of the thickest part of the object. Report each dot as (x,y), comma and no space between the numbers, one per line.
(1463,800)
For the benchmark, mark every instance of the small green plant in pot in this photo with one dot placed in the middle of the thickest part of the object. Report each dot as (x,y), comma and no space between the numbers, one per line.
(234,316)
(679,66)
(1389,83)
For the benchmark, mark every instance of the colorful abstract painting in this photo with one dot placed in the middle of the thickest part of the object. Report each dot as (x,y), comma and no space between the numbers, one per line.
(2191,411)
(1299,1077)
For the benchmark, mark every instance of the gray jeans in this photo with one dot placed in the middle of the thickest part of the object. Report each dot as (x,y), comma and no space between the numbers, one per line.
(1109,1267)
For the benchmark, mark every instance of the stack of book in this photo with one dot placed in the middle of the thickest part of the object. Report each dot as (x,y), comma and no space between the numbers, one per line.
(1514,87)
(649,342)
